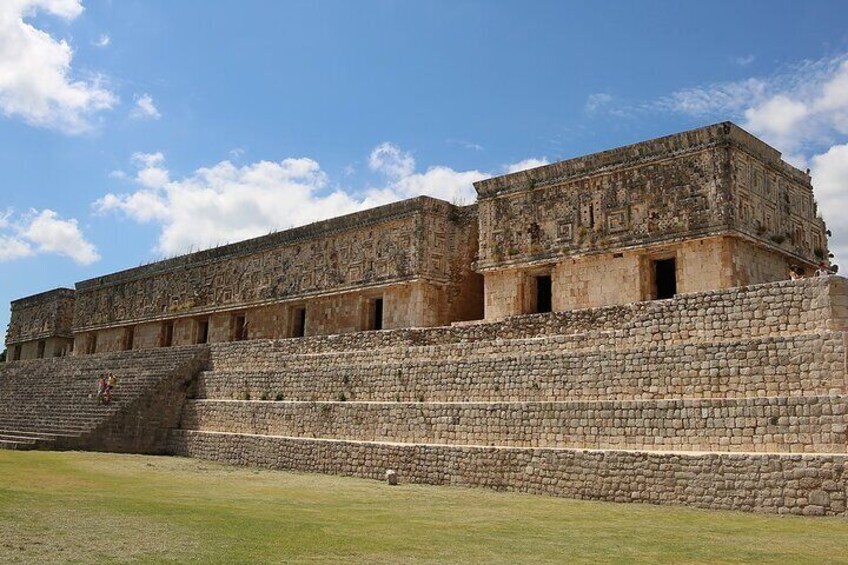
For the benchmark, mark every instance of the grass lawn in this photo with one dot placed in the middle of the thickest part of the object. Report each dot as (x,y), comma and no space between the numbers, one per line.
(107,508)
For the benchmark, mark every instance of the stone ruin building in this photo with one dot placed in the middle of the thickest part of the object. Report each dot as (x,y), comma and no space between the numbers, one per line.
(618,326)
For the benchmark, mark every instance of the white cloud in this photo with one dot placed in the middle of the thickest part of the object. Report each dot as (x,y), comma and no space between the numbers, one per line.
(151,171)
(596,101)
(226,202)
(830,176)
(465,144)
(439,182)
(720,98)
(778,119)
(43,232)
(36,79)
(800,109)
(403,182)
(103,41)
(12,248)
(530,163)
(390,160)
(744,60)
(145,109)
(51,234)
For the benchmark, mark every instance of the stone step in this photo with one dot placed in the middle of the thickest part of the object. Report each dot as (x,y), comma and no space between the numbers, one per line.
(36,435)
(802,424)
(811,364)
(781,483)
(271,354)
(55,413)
(54,403)
(23,437)
(16,444)
(50,427)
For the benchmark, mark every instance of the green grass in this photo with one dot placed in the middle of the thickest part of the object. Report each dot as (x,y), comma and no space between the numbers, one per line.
(107,508)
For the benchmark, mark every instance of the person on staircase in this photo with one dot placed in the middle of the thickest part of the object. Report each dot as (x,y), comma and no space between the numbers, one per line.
(111,381)
(101,388)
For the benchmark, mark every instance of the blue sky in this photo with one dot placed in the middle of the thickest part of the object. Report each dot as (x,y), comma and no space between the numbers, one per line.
(133,130)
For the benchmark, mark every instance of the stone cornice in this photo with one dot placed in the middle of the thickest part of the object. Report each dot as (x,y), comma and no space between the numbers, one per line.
(325,228)
(724,134)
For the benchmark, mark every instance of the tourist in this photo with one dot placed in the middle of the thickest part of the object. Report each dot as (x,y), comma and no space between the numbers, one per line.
(795,273)
(111,381)
(101,388)
(822,271)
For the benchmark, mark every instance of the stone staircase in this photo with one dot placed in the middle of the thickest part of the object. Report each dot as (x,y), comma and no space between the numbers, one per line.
(52,403)
(729,399)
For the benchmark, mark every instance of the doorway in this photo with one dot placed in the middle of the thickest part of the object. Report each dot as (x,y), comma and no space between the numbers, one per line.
(299,322)
(202,331)
(167,334)
(544,297)
(240,328)
(129,338)
(374,315)
(665,278)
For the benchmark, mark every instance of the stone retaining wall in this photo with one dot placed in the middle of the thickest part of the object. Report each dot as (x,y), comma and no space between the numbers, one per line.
(789,425)
(707,399)
(534,370)
(785,484)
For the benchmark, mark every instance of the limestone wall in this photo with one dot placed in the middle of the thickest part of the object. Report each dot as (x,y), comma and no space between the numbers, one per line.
(654,191)
(717,200)
(414,256)
(787,425)
(777,208)
(40,325)
(785,484)
(626,276)
(700,182)
(665,402)
(783,308)
(421,240)
(537,370)
(40,349)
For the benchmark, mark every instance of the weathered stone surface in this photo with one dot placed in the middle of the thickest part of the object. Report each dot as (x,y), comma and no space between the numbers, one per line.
(414,254)
(716,200)
(762,483)
(41,325)
(727,389)
(748,425)
(54,401)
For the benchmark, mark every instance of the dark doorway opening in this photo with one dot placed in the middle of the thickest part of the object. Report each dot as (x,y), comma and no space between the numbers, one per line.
(665,278)
(129,337)
(377,314)
(202,331)
(41,346)
(240,328)
(16,353)
(92,344)
(299,323)
(167,334)
(544,299)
